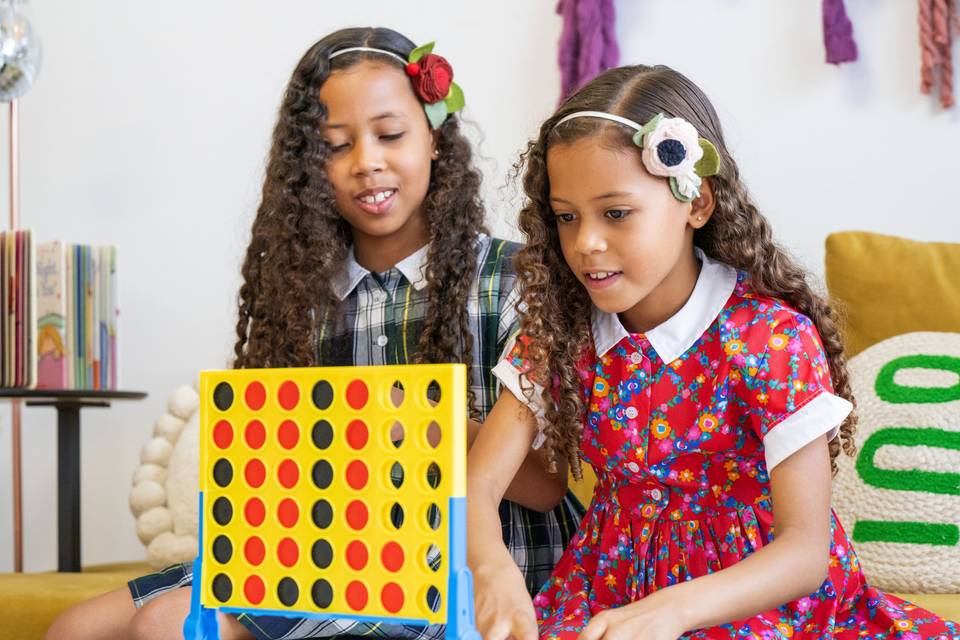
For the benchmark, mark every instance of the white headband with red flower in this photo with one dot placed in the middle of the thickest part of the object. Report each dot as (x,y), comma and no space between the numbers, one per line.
(432,78)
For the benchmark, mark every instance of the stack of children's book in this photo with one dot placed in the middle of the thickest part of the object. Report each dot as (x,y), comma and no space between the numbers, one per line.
(17,302)
(59,313)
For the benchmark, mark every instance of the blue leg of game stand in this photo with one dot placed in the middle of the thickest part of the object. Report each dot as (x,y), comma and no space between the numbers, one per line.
(201,622)
(460,622)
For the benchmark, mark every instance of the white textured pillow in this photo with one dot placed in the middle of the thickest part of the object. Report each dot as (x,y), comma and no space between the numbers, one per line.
(165,487)
(900,498)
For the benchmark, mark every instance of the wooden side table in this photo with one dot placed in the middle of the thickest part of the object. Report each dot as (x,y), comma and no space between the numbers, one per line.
(68,403)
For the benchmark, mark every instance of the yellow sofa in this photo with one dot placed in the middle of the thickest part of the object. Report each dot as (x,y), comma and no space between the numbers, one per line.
(29,602)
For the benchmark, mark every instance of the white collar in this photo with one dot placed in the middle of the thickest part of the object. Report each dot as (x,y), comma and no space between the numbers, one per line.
(674,336)
(411,267)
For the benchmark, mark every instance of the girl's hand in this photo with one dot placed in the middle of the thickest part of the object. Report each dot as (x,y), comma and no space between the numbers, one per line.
(502,605)
(648,619)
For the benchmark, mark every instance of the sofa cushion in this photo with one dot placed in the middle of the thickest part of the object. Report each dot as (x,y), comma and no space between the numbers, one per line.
(29,602)
(888,286)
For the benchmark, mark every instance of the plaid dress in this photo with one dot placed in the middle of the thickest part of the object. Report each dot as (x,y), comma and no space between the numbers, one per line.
(379,322)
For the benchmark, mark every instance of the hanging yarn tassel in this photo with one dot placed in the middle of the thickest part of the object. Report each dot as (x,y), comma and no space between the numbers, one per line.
(569,47)
(838,33)
(611,51)
(944,18)
(590,34)
(588,43)
(928,50)
(938,20)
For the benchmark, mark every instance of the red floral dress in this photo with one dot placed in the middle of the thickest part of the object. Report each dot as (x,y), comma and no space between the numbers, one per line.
(683,425)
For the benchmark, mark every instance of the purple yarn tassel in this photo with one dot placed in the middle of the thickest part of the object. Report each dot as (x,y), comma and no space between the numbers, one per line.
(588,42)
(838,33)
(569,46)
(611,52)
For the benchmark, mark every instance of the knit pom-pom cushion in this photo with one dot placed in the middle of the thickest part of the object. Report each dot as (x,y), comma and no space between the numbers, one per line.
(165,487)
(899,499)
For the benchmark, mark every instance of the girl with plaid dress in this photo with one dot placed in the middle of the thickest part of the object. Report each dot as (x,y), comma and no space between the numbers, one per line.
(368,248)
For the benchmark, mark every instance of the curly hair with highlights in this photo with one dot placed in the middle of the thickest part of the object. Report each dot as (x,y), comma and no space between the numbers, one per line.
(557,316)
(299,240)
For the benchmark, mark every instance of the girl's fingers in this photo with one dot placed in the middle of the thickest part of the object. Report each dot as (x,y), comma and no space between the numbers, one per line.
(594,630)
(524,627)
(500,630)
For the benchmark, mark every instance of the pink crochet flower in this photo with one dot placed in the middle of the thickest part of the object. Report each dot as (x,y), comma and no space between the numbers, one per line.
(672,148)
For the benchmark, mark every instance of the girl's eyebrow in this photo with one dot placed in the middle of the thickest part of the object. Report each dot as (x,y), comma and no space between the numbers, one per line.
(382,116)
(388,114)
(612,194)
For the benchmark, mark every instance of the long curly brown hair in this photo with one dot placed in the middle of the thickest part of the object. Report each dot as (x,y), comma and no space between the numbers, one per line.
(299,240)
(557,316)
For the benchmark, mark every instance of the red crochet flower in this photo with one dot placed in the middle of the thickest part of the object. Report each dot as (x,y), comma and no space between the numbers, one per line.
(432,76)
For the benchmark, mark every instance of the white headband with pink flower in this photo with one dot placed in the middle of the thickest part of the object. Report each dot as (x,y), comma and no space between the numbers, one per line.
(670,148)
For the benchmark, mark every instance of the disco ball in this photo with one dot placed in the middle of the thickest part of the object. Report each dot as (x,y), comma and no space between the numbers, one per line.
(19,52)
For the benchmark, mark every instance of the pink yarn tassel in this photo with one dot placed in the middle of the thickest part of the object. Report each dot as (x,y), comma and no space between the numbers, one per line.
(928,49)
(938,21)
(944,34)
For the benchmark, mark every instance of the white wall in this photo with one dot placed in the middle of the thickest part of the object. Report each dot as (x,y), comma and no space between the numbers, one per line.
(150,123)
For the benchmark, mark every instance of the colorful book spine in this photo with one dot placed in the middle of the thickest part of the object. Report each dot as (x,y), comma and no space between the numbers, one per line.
(52,356)
(18,330)
(71,313)
(114,321)
(78,355)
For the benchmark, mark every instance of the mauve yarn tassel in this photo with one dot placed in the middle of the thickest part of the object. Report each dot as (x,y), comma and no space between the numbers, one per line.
(943,17)
(588,42)
(838,33)
(928,47)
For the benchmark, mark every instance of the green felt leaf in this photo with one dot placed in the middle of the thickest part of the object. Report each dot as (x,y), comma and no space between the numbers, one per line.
(454,99)
(651,124)
(647,128)
(420,51)
(709,164)
(436,113)
(676,191)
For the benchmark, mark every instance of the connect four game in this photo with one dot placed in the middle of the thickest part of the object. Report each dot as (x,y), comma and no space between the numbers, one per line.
(333,492)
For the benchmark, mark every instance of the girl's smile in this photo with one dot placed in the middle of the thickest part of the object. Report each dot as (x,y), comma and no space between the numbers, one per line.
(376,201)
(601,279)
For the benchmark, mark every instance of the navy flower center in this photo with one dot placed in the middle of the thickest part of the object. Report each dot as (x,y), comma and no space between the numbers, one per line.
(671,152)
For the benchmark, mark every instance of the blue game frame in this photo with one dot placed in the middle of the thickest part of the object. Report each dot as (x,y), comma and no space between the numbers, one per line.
(201,623)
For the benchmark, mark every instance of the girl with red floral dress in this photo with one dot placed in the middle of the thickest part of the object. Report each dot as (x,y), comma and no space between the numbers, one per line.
(673,346)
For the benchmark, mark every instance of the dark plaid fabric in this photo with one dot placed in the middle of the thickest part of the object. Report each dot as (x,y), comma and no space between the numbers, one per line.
(378,323)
